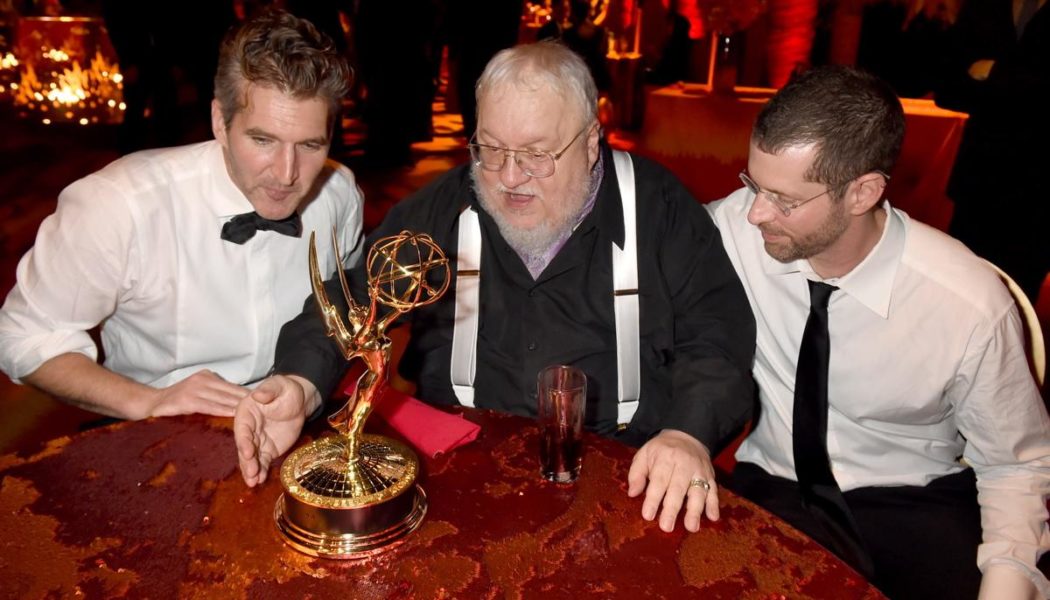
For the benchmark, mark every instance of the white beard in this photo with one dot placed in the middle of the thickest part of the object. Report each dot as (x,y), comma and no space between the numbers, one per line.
(533,244)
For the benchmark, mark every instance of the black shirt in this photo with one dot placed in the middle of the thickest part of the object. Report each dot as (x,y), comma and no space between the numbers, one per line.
(697,331)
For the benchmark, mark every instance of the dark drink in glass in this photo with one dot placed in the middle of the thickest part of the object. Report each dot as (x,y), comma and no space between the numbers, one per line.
(562,394)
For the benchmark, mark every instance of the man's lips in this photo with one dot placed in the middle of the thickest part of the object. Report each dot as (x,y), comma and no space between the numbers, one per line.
(278,194)
(518,200)
(770,236)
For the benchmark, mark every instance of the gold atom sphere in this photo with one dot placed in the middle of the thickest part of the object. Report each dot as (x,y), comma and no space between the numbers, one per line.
(398,269)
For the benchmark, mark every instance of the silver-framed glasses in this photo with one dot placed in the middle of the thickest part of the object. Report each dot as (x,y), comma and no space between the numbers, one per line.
(786,205)
(533,163)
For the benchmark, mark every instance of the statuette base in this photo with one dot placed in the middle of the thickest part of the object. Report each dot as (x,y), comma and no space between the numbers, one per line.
(349,533)
(339,503)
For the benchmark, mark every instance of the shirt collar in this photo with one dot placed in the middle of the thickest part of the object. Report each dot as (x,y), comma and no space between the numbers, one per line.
(871,281)
(226,199)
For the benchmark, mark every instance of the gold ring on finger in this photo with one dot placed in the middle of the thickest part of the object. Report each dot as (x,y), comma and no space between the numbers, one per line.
(700,483)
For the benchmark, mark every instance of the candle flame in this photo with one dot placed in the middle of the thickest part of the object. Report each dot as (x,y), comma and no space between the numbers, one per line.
(84,94)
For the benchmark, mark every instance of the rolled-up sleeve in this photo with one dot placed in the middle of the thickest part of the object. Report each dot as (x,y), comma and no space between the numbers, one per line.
(1007,433)
(69,281)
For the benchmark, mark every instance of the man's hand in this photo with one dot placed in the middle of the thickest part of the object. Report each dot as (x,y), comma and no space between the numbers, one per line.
(203,392)
(669,462)
(80,381)
(268,421)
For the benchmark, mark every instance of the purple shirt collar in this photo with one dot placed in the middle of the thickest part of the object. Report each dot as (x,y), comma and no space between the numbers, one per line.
(539,263)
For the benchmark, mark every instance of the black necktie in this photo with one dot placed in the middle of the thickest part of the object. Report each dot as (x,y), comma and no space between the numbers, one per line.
(242,228)
(1028,10)
(820,492)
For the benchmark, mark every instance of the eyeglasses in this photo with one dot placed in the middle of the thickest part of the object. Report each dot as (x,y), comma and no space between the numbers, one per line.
(533,163)
(786,205)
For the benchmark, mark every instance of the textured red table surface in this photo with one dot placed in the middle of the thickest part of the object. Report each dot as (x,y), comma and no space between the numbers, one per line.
(157,509)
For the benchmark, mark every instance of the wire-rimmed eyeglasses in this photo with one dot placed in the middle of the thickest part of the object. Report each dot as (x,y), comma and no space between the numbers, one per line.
(533,163)
(786,205)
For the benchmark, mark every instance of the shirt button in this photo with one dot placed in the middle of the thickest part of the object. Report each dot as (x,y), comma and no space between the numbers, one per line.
(532,293)
(532,346)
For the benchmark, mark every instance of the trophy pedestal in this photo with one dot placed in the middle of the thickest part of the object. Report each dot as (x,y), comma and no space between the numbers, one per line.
(337,506)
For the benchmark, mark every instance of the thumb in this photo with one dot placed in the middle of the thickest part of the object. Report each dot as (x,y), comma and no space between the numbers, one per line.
(267,391)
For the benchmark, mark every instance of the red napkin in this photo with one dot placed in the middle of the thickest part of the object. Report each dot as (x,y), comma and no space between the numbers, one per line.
(430,430)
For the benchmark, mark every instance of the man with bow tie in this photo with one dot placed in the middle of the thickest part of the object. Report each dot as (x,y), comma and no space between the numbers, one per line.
(191,258)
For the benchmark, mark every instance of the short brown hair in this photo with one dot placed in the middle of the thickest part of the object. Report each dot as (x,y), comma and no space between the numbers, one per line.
(279,50)
(854,118)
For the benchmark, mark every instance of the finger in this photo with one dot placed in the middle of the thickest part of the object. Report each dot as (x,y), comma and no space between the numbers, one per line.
(673,498)
(659,477)
(244,430)
(637,475)
(265,458)
(249,472)
(223,397)
(218,409)
(695,500)
(203,404)
(711,502)
(247,462)
(225,389)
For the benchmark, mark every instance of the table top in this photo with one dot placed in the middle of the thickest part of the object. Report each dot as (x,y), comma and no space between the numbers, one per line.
(157,508)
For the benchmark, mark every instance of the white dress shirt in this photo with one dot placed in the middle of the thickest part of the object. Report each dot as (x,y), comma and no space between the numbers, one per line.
(136,247)
(927,365)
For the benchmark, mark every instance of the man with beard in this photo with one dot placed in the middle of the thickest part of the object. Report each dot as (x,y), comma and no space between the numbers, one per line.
(899,423)
(543,198)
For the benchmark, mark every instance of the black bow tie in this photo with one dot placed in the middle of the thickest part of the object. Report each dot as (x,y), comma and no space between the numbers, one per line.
(242,228)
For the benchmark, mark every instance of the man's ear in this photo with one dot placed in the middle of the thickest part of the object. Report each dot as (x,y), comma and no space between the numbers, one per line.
(865,192)
(218,124)
(594,135)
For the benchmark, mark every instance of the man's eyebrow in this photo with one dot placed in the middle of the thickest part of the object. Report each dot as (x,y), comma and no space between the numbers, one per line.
(315,140)
(255,131)
(499,144)
(259,132)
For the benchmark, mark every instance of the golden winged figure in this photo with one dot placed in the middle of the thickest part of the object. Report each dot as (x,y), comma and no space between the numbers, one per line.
(400,270)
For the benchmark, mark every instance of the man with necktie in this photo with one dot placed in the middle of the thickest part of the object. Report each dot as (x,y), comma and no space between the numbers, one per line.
(899,424)
(191,258)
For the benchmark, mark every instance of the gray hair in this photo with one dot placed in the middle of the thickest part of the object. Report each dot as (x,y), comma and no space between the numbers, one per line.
(547,63)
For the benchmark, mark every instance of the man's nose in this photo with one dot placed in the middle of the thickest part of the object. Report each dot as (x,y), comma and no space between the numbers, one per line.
(286,167)
(761,211)
(511,175)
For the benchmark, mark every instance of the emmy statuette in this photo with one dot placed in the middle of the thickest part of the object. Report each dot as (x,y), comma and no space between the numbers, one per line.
(353,494)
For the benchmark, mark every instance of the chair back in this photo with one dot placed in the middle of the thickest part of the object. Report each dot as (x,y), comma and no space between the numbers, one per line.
(1033,332)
